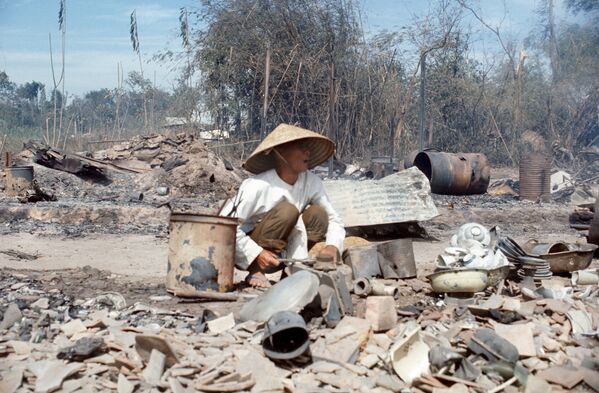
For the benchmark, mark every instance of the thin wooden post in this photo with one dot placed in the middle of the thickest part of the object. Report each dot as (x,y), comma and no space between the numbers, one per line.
(265,105)
(422,99)
(332,125)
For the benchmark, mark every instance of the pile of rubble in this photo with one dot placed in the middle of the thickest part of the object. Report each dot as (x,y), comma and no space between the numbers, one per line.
(146,168)
(513,335)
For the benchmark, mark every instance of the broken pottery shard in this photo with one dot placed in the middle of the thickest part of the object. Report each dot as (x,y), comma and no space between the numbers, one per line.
(401,197)
(268,377)
(380,312)
(290,294)
(536,385)
(10,382)
(519,335)
(456,388)
(41,304)
(84,348)
(11,315)
(20,347)
(563,376)
(581,322)
(153,371)
(144,344)
(73,327)
(51,373)
(221,324)
(409,356)
(343,343)
(124,386)
(493,347)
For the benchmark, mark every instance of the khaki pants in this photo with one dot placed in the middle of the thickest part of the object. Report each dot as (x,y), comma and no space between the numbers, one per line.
(273,231)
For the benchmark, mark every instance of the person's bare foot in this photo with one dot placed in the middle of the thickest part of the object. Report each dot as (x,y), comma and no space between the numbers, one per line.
(257,280)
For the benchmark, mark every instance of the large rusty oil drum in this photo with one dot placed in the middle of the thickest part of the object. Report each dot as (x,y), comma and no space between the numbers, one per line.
(535,177)
(455,173)
(201,253)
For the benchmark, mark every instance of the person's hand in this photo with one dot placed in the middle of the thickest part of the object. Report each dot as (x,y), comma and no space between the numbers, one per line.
(267,259)
(329,252)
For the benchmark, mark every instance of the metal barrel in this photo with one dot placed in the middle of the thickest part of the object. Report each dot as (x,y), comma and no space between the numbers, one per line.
(201,253)
(535,177)
(18,179)
(408,161)
(455,173)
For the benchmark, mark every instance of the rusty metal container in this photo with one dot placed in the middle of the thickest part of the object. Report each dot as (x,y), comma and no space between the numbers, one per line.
(535,177)
(401,253)
(364,261)
(201,253)
(455,173)
(18,179)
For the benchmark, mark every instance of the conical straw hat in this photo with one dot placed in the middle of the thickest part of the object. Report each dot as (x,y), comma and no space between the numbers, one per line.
(262,159)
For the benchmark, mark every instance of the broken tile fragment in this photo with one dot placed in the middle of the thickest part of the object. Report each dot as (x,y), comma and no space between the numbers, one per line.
(11,381)
(566,377)
(51,373)
(73,327)
(11,316)
(124,385)
(221,324)
(519,335)
(153,371)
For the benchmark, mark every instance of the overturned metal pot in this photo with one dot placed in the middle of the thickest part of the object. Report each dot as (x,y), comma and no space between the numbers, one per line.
(455,173)
(285,336)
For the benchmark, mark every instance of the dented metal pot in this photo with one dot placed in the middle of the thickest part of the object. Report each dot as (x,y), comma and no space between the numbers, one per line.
(201,253)
(455,173)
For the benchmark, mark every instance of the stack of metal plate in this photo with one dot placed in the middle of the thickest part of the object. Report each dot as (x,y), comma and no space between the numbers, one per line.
(536,268)
(524,264)
(512,251)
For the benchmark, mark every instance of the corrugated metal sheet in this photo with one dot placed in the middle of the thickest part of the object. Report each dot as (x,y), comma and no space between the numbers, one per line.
(402,197)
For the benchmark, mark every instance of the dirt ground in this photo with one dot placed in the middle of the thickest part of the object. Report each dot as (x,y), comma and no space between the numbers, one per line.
(135,264)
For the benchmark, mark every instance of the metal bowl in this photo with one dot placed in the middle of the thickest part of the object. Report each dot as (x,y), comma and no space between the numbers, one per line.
(498,275)
(579,257)
(459,281)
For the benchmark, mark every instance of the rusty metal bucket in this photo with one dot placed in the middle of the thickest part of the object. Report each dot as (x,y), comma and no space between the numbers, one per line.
(535,177)
(18,179)
(201,253)
(455,174)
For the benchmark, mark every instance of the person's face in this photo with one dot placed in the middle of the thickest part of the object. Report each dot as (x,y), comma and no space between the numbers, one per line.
(297,154)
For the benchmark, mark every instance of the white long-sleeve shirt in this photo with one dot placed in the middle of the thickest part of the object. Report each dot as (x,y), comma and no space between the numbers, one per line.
(259,194)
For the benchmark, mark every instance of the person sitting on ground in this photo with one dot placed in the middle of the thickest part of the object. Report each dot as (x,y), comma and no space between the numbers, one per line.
(283,209)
